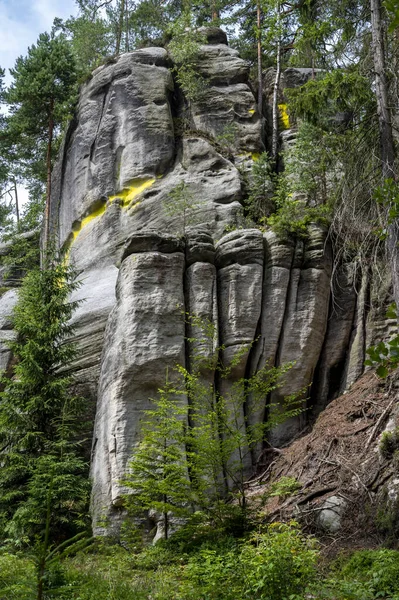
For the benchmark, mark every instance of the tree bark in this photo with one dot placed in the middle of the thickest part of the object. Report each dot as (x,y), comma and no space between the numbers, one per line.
(260,77)
(387,148)
(275,103)
(120,28)
(215,13)
(16,201)
(48,166)
(381,90)
(127,27)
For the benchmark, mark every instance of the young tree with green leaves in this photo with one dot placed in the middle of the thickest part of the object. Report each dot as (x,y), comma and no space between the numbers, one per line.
(195,456)
(180,203)
(39,416)
(40,100)
(158,473)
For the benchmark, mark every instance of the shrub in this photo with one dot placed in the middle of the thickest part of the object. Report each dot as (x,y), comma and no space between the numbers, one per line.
(17,577)
(367,575)
(276,564)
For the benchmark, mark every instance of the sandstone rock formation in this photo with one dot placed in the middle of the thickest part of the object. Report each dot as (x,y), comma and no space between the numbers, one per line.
(143,269)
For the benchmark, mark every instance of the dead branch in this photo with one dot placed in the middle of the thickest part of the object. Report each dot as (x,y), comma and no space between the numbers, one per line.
(376,426)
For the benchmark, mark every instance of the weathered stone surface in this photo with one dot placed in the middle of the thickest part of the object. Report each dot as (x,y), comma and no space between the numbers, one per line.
(239,257)
(357,347)
(8,301)
(199,246)
(304,324)
(152,241)
(330,372)
(214,35)
(202,317)
(123,132)
(248,293)
(144,337)
(118,163)
(331,513)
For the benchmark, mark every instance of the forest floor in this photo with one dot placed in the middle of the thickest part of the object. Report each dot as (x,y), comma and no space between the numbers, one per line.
(341,457)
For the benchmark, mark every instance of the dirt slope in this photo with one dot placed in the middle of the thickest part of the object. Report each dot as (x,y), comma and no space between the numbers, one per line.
(341,458)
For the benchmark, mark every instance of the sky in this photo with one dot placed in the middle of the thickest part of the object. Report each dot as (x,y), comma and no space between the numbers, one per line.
(21,22)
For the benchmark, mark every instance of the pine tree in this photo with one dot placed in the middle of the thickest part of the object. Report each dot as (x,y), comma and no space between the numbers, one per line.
(39,417)
(40,100)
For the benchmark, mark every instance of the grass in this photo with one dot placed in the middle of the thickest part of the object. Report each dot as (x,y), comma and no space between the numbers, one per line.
(260,566)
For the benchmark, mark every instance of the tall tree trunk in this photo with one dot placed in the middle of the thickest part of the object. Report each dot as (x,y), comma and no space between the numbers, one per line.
(381,90)
(215,11)
(127,27)
(275,103)
(48,166)
(120,27)
(16,201)
(260,77)
(387,148)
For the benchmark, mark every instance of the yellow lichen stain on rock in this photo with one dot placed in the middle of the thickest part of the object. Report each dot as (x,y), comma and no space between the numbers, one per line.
(127,195)
(255,156)
(284,116)
(77,228)
(251,111)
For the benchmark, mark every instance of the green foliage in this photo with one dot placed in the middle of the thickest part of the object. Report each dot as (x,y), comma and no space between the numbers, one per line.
(305,190)
(389,443)
(259,203)
(16,577)
(228,137)
(40,99)
(284,487)
(195,456)
(158,473)
(294,217)
(275,564)
(184,49)
(90,39)
(384,356)
(38,416)
(387,196)
(320,99)
(180,203)
(366,575)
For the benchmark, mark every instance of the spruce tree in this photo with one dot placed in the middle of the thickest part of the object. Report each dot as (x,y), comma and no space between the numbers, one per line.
(39,417)
(158,474)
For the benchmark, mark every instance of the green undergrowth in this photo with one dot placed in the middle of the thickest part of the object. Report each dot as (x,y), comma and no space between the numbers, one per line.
(276,562)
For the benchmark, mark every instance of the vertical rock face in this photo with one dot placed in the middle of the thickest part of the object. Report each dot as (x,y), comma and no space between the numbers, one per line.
(144,337)
(304,323)
(146,270)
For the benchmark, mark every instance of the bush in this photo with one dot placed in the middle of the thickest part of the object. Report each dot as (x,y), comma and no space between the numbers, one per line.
(276,564)
(17,576)
(367,575)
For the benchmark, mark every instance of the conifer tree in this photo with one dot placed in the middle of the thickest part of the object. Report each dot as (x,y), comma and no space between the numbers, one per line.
(40,100)
(158,474)
(39,417)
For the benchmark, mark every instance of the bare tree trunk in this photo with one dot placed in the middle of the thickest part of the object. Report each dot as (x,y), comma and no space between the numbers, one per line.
(275,103)
(120,27)
(48,166)
(260,77)
(384,117)
(215,11)
(127,27)
(16,201)
(387,148)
